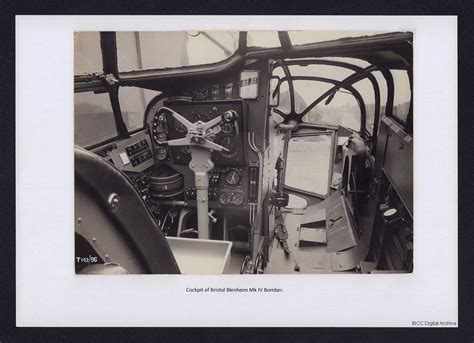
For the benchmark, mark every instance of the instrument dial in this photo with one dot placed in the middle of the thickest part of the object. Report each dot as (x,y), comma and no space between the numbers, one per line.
(225,197)
(233,177)
(238,198)
(230,143)
(186,150)
(162,119)
(201,93)
(160,137)
(161,154)
(159,128)
(187,92)
(201,116)
(227,127)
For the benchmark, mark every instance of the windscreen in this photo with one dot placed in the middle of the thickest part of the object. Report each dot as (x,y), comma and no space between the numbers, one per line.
(173,49)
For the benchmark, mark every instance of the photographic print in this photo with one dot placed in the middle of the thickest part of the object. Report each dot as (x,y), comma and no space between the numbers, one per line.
(243,152)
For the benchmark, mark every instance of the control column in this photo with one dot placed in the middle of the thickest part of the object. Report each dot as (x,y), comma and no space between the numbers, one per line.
(199,138)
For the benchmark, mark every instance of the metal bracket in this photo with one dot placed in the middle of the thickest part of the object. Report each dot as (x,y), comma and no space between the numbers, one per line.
(110,79)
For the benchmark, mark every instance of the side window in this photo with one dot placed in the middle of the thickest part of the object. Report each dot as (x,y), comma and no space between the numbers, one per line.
(309,84)
(94,120)
(87,53)
(342,110)
(401,96)
(133,102)
(383,100)
(366,90)
(308,163)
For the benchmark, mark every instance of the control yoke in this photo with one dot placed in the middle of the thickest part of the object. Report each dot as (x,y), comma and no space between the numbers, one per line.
(199,138)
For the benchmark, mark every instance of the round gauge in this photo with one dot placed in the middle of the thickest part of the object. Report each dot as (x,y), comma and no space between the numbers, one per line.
(227,127)
(161,119)
(161,154)
(180,127)
(233,177)
(230,143)
(201,116)
(185,150)
(225,197)
(187,92)
(160,137)
(201,93)
(238,198)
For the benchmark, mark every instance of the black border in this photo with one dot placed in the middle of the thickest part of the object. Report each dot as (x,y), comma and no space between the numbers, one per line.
(464,10)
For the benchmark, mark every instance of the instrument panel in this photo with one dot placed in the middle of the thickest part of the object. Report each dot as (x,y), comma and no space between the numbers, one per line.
(203,92)
(165,127)
(133,154)
(227,188)
(229,180)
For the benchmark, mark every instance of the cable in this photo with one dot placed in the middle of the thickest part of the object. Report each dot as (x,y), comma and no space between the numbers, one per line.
(164,220)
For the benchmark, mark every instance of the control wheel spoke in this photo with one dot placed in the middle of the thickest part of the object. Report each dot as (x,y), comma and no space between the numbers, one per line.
(213,146)
(179,141)
(179,118)
(211,123)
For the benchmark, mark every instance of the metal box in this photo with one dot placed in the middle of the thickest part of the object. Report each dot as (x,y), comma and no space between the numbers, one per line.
(200,256)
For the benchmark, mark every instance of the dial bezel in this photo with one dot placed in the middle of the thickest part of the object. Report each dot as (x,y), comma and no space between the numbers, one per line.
(235,147)
(158,154)
(236,172)
(241,195)
(229,196)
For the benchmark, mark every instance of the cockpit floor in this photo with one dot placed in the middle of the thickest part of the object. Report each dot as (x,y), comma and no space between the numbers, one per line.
(310,259)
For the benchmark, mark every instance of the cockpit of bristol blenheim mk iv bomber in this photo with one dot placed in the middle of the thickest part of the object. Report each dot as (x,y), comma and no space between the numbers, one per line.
(219,152)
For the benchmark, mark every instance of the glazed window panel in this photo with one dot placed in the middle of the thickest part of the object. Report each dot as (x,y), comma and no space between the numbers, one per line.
(401,96)
(308,163)
(173,49)
(94,120)
(133,103)
(87,53)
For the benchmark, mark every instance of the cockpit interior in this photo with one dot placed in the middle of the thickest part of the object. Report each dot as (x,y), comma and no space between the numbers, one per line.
(259,152)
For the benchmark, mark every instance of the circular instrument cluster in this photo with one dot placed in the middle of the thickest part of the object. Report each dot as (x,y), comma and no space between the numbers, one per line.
(231,197)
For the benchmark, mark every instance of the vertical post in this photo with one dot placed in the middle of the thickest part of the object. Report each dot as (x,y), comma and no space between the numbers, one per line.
(201,164)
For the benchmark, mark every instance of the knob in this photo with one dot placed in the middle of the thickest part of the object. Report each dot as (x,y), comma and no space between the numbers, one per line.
(229,116)
(390,213)
(190,194)
(211,216)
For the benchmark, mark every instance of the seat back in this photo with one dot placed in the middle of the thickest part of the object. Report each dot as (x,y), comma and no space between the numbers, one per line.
(113,218)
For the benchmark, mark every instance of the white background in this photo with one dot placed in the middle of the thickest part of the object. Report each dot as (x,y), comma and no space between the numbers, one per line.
(50,294)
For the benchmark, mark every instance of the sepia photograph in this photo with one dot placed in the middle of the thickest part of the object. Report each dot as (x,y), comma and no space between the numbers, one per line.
(243,152)
(238,171)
